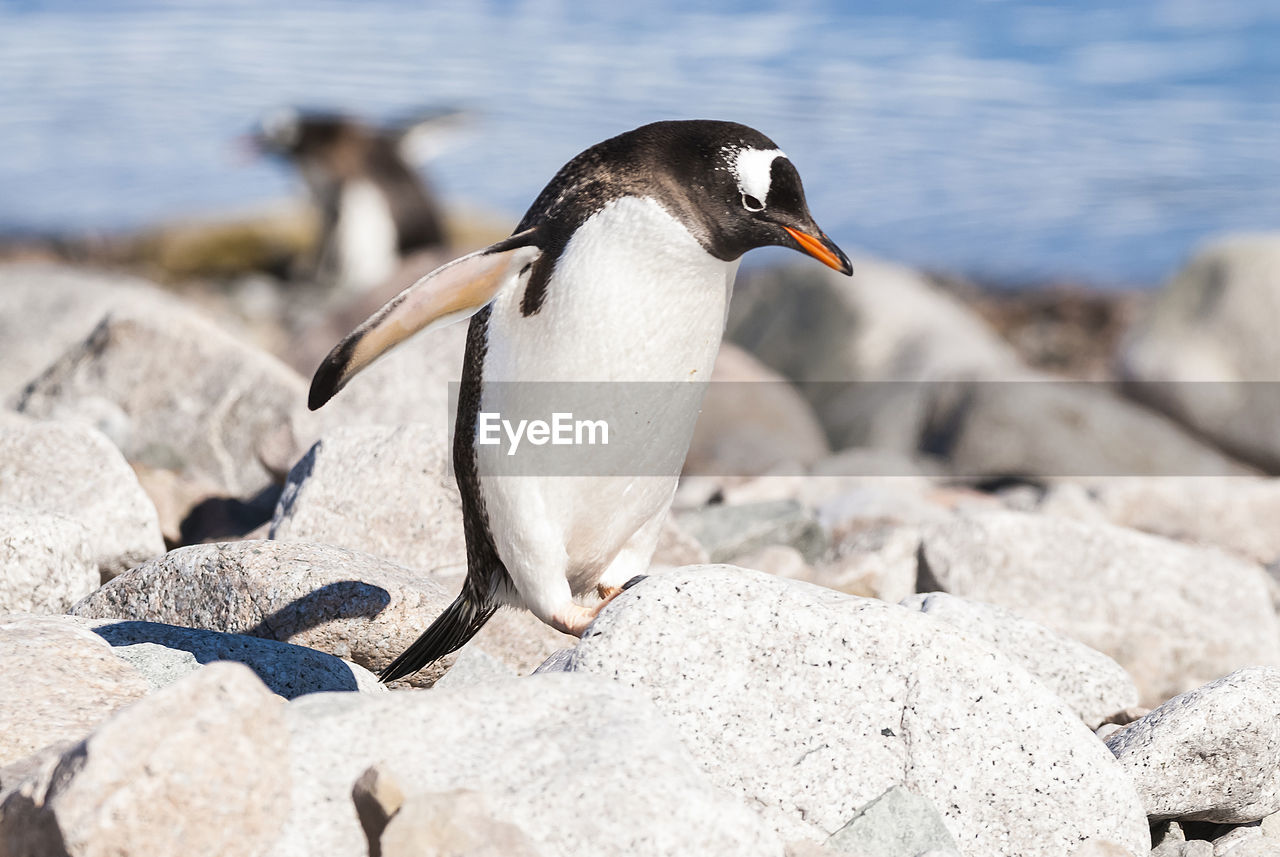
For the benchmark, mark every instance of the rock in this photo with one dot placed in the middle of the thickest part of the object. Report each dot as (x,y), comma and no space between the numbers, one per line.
(516,638)
(731,531)
(1089,682)
(384,491)
(474,666)
(886,323)
(896,824)
(1208,335)
(778,560)
(1193,848)
(752,421)
(177,773)
(1233,513)
(72,470)
(1043,426)
(331,599)
(1212,754)
(1173,616)
(1236,840)
(569,790)
(457,822)
(1252,847)
(676,547)
(289,671)
(45,309)
(174,392)
(875,562)
(57,682)
(809,704)
(46,560)
(159,665)
(889,360)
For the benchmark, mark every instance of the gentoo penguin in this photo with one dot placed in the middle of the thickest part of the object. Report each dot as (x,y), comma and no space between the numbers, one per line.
(620,271)
(374,206)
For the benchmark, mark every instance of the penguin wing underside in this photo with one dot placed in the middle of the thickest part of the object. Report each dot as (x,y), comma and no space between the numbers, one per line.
(448,294)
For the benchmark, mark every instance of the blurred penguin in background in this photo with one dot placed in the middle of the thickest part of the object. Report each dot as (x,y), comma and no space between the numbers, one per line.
(374,207)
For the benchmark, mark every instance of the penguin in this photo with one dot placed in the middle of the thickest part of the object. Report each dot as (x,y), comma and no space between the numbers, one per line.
(375,208)
(620,271)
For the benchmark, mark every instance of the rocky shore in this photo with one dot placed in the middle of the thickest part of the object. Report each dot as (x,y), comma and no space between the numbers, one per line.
(917,596)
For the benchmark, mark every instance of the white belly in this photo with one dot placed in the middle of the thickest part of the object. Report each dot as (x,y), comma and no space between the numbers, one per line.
(634,298)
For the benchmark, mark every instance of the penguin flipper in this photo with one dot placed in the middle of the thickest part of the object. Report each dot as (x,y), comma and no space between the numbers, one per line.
(450,293)
(451,630)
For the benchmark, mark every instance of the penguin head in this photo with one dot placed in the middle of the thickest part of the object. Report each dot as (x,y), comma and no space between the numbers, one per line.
(327,142)
(735,189)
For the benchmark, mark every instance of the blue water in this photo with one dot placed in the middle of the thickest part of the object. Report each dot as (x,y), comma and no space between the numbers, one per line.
(1090,140)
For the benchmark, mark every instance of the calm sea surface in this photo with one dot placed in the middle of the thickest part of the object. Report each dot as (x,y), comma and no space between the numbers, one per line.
(1010,140)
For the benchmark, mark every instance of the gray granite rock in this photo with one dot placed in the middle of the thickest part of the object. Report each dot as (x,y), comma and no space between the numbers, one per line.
(1172,615)
(46,309)
(571,790)
(73,470)
(386,491)
(1211,754)
(1090,683)
(1206,337)
(175,392)
(160,665)
(1194,848)
(731,531)
(287,670)
(46,559)
(349,604)
(809,704)
(196,769)
(896,824)
(57,682)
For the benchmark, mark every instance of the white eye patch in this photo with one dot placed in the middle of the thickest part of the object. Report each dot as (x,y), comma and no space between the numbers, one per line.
(753,169)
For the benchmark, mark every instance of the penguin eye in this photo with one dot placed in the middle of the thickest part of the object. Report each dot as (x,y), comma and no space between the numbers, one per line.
(750,203)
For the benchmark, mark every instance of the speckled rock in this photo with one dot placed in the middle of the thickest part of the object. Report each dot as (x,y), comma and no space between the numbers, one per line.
(1212,754)
(1172,615)
(1090,683)
(57,682)
(175,392)
(1194,848)
(72,470)
(287,670)
(507,742)
(46,560)
(176,773)
(349,604)
(1245,839)
(809,704)
(386,491)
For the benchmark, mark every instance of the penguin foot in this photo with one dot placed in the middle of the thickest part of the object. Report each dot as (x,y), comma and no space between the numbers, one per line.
(575,618)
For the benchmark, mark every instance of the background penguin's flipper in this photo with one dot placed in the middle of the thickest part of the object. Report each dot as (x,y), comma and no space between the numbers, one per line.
(450,293)
(461,621)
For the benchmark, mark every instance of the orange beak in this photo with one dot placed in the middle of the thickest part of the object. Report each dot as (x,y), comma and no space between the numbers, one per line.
(822,249)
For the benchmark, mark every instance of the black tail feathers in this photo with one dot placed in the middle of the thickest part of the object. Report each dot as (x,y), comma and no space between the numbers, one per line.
(461,621)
